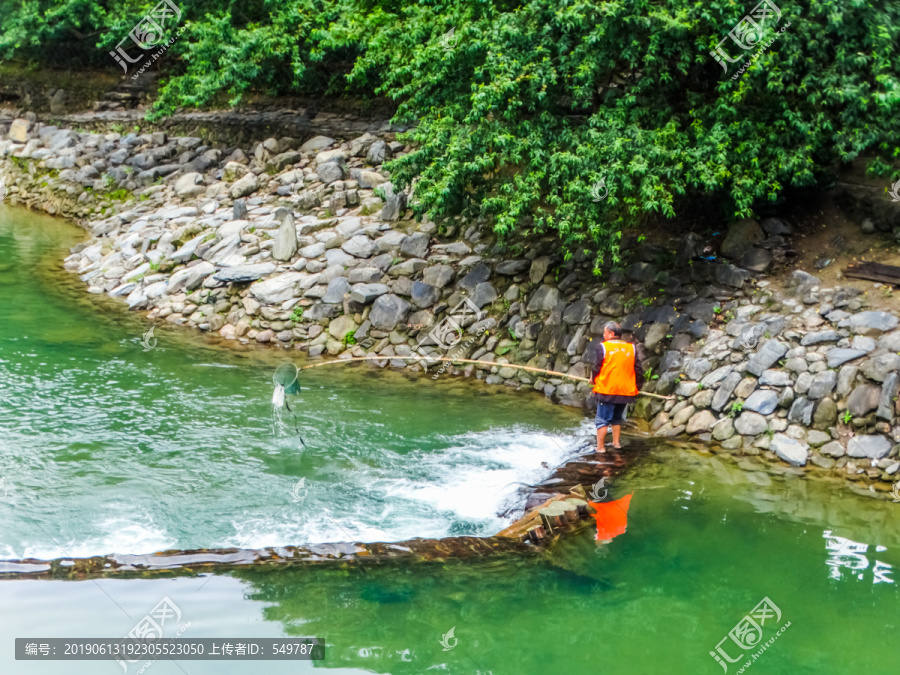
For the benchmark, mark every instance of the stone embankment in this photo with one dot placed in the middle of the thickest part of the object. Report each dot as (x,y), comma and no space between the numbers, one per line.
(303,243)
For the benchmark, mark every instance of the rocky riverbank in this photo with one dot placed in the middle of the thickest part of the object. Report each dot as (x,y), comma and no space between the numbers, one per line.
(301,242)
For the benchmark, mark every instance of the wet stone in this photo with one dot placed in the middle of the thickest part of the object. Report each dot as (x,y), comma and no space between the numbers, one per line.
(763,402)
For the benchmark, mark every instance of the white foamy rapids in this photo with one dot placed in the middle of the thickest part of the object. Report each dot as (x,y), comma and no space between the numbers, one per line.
(459,490)
(118,535)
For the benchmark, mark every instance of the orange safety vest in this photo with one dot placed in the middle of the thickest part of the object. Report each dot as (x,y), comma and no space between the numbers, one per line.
(616,377)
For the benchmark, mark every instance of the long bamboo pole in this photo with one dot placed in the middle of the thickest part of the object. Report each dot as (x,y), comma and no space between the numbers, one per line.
(483,363)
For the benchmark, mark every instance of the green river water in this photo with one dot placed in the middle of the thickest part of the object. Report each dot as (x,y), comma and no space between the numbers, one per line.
(106,447)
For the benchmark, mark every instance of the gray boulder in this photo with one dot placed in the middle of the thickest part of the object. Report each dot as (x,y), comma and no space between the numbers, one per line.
(838,356)
(822,384)
(776,226)
(279,162)
(484,294)
(751,424)
(700,422)
(863,400)
(790,450)
(888,396)
(697,368)
(538,269)
(879,367)
(388,311)
(390,241)
(578,313)
(359,246)
(872,447)
(189,278)
(331,171)
(317,143)
(762,401)
(741,237)
(244,186)
(367,293)
(189,185)
(767,355)
(244,273)
(802,411)
(731,276)
(415,245)
(18,130)
(337,256)
(233,171)
(439,276)
(337,287)
(340,326)
(801,282)
(820,337)
(873,323)
(756,259)
(545,298)
(378,152)
(478,274)
(833,449)
(408,268)
(510,268)
(775,378)
(725,390)
(277,289)
(846,378)
(368,179)
(424,295)
(365,275)
(394,203)
(285,245)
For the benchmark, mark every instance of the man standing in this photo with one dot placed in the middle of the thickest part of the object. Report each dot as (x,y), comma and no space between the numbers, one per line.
(618,377)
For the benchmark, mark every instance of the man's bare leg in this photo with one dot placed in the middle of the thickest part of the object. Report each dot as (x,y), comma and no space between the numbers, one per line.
(601,437)
(616,430)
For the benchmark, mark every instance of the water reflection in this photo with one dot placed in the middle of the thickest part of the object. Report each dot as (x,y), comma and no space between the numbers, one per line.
(848,555)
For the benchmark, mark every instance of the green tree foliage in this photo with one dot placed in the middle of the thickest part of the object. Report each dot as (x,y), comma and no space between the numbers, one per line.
(521,111)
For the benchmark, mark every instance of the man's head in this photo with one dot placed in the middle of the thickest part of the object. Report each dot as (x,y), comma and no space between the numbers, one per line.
(612,331)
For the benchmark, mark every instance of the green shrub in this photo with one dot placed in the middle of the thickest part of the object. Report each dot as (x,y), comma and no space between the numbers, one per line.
(532,105)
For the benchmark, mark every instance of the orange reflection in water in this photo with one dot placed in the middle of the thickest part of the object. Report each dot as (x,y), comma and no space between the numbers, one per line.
(611,517)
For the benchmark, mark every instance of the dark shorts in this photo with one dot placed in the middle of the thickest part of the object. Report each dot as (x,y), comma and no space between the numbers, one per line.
(610,414)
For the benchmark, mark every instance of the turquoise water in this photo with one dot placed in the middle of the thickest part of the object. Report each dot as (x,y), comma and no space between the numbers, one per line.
(105,447)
